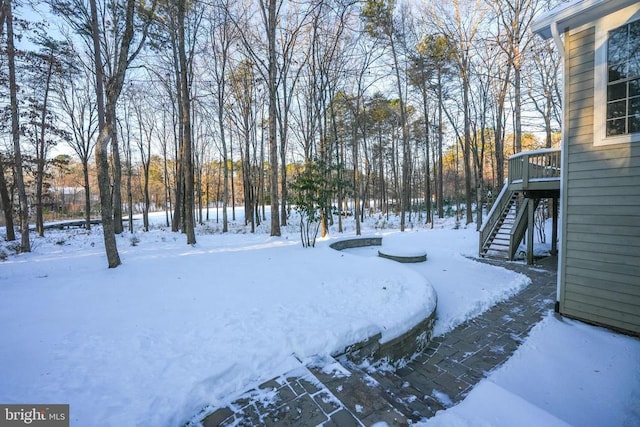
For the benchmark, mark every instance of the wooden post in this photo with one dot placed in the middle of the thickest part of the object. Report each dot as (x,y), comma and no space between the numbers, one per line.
(554,229)
(530,228)
(525,171)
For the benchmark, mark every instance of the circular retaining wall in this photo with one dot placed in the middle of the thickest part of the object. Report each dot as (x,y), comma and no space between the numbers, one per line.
(357,242)
(406,345)
(403,255)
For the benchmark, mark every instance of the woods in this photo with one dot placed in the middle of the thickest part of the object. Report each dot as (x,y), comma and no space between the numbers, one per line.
(407,108)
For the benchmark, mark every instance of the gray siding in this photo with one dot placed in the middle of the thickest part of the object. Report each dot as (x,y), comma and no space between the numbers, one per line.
(600,253)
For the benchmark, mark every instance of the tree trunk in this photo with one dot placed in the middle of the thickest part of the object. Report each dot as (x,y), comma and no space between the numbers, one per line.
(42,152)
(427,160)
(102,143)
(517,95)
(187,155)
(25,245)
(117,180)
(467,145)
(233,188)
(7,206)
(440,188)
(146,165)
(87,195)
(165,166)
(104,185)
(273,114)
(406,178)
(129,186)
(178,131)
(249,198)
(225,161)
(39,187)
(356,180)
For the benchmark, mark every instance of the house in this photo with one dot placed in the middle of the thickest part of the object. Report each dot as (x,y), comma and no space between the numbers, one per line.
(599,260)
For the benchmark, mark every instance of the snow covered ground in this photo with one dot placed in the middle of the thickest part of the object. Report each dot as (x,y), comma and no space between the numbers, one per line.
(177,327)
(566,373)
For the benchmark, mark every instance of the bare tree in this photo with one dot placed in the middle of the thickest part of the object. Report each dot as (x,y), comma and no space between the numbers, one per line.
(436,55)
(221,38)
(461,21)
(481,100)
(379,16)
(267,67)
(513,21)
(25,245)
(122,59)
(125,126)
(187,145)
(544,86)
(79,106)
(501,73)
(269,19)
(7,205)
(46,66)
(243,114)
(146,121)
(289,70)
(115,35)
(3,16)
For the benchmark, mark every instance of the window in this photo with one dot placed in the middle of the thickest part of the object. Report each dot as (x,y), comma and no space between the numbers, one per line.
(623,80)
(616,117)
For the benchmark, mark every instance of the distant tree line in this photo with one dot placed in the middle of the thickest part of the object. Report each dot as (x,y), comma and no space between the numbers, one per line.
(393,107)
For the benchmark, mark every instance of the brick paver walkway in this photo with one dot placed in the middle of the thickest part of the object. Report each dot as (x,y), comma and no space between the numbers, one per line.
(338,393)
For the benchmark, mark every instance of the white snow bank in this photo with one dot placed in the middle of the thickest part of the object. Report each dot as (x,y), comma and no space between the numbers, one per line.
(400,251)
(176,327)
(565,373)
(465,288)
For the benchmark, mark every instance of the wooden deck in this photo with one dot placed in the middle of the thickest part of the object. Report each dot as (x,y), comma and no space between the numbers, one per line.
(535,170)
(533,176)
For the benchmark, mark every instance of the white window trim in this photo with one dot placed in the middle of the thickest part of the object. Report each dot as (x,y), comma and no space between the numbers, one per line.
(603,26)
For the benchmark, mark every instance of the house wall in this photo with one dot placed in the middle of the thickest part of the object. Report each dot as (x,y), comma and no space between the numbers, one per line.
(599,275)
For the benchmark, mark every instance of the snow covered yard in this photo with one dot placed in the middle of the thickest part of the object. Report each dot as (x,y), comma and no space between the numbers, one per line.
(177,327)
(565,373)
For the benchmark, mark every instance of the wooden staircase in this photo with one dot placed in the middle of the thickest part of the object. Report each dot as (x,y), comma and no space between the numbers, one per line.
(496,240)
(532,176)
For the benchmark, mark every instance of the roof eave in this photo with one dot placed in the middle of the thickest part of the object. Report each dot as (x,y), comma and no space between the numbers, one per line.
(575,14)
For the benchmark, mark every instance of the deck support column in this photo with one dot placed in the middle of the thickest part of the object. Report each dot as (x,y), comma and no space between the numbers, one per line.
(531,210)
(554,229)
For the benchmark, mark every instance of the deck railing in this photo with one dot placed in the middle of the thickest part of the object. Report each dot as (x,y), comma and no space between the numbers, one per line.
(534,165)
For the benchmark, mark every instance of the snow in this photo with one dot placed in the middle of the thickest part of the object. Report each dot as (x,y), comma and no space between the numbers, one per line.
(403,251)
(465,287)
(178,327)
(565,373)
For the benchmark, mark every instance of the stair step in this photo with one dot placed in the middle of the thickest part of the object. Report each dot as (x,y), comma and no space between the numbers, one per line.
(495,257)
(505,251)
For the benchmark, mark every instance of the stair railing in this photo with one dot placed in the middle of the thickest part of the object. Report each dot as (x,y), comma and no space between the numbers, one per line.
(520,227)
(494,214)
